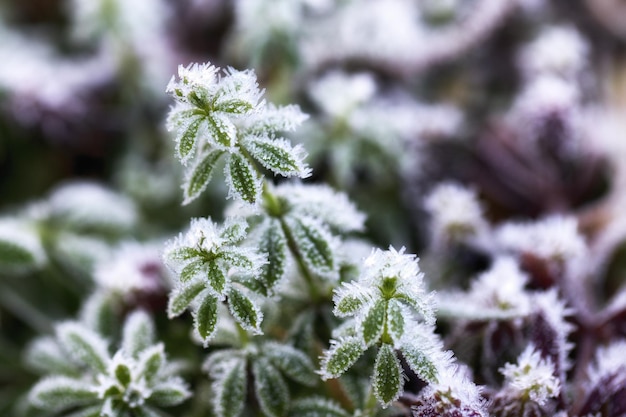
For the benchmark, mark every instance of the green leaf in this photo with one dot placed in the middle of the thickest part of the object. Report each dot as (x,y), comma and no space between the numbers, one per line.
(340,357)
(273,243)
(243,181)
(374,322)
(45,355)
(419,362)
(349,299)
(187,138)
(59,393)
(395,320)
(316,407)
(278,156)
(238,258)
(230,390)
(206,317)
(245,312)
(181,254)
(182,297)
(222,131)
(84,346)
(138,333)
(195,268)
(169,393)
(216,278)
(270,389)
(122,373)
(313,243)
(151,361)
(291,362)
(200,176)
(234,230)
(388,378)
(16,257)
(234,106)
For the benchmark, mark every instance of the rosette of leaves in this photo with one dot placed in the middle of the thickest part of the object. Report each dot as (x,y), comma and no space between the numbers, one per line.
(393,312)
(220,114)
(264,367)
(84,377)
(303,222)
(210,268)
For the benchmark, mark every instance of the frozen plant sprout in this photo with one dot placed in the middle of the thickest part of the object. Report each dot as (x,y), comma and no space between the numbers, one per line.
(312,208)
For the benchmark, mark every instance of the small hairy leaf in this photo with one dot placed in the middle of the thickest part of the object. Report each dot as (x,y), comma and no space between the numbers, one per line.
(291,362)
(395,320)
(206,317)
(222,131)
(14,256)
(186,141)
(247,314)
(419,362)
(374,322)
(341,356)
(195,268)
(216,277)
(138,333)
(314,244)
(59,393)
(316,407)
(230,390)
(84,346)
(45,355)
(238,258)
(122,373)
(243,181)
(171,392)
(278,156)
(233,106)
(182,297)
(151,361)
(388,378)
(234,230)
(270,389)
(200,175)
(349,299)
(274,244)
(180,254)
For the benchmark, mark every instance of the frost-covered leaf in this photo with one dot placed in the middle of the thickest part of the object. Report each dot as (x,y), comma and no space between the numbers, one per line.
(151,361)
(395,320)
(90,207)
(270,389)
(222,131)
(340,357)
(200,175)
(291,362)
(138,333)
(374,322)
(278,156)
(60,393)
(83,345)
(234,230)
(195,268)
(314,244)
(388,377)
(181,298)
(243,181)
(20,246)
(180,253)
(206,317)
(216,278)
(273,243)
(243,309)
(187,137)
(46,356)
(169,393)
(316,407)
(350,298)
(419,361)
(230,389)
(331,207)
(275,119)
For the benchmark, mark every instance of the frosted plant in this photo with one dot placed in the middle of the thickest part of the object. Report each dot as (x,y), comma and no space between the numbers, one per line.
(220,114)
(391,310)
(532,377)
(455,212)
(211,268)
(136,380)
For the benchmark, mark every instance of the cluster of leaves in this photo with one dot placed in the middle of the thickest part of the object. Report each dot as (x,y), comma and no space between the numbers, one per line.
(136,380)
